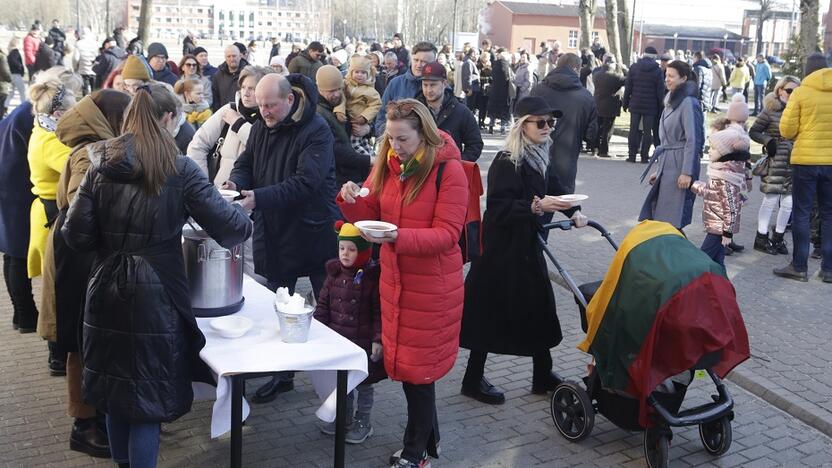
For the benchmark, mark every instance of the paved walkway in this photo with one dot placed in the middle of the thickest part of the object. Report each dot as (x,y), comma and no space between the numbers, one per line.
(786,322)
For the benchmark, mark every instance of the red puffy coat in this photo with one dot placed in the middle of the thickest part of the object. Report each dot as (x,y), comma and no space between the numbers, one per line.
(422,288)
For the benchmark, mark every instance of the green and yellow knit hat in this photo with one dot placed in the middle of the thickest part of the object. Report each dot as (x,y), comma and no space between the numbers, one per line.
(348,231)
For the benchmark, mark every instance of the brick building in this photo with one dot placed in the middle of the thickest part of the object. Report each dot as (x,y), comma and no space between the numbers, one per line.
(525,25)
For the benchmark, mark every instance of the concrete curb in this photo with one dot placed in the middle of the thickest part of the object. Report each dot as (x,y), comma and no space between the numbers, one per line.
(773,394)
(809,413)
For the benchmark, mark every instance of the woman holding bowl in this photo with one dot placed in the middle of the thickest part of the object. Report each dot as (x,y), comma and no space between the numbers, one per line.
(421,263)
(509,303)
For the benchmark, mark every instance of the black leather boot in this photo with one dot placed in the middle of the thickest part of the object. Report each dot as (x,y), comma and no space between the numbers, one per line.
(57,360)
(778,245)
(544,380)
(87,438)
(483,391)
(269,391)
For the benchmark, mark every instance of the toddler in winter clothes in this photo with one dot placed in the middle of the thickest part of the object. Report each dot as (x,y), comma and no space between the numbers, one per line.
(349,303)
(729,179)
(194,106)
(361,101)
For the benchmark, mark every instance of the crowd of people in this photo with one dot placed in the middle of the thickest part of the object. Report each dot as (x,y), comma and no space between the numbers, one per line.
(109,153)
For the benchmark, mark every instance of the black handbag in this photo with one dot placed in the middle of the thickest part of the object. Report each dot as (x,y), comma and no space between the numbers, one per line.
(214,156)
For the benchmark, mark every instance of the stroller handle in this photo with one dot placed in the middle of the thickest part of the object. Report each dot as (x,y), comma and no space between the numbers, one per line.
(568,224)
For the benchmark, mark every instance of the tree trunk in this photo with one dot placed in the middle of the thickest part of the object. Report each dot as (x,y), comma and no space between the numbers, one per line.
(613,40)
(809,37)
(144,20)
(760,22)
(586,16)
(624,31)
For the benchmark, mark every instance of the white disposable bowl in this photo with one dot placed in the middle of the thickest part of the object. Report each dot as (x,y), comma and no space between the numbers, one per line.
(573,199)
(231,326)
(229,195)
(375,228)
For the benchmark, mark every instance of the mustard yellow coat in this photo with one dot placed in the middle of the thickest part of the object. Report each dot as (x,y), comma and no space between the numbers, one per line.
(807,120)
(47,158)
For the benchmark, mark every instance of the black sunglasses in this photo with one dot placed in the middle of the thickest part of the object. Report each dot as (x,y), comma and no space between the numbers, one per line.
(789,90)
(542,123)
(189,64)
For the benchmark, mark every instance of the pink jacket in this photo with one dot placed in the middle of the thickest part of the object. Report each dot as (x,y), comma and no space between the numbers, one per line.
(723,199)
(30,49)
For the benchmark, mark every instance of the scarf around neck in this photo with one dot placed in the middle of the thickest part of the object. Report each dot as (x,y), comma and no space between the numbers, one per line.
(409,167)
(537,156)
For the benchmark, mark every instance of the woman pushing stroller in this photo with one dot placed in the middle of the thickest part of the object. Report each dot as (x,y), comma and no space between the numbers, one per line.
(509,302)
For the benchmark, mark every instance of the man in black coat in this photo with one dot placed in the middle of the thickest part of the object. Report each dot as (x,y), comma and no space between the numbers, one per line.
(449,113)
(287,177)
(350,165)
(224,81)
(608,82)
(58,40)
(110,57)
(644,99)
(563,91)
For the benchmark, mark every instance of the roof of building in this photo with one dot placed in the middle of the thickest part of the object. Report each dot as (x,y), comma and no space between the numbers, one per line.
(546,9)
(689,32)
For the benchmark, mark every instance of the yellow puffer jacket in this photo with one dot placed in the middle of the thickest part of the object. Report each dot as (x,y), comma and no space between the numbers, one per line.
(47,158)
(807,120)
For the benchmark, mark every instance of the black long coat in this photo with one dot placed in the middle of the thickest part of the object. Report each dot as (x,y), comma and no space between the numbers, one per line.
(509,302)
(498,98)
(291,169)
(141,343)
(608,84)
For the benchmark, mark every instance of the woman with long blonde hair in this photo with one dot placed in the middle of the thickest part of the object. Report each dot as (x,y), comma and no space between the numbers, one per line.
(509,303)
(417,184)
(141,342)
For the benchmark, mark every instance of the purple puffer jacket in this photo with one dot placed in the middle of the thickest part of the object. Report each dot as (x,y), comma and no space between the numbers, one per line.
(353,308)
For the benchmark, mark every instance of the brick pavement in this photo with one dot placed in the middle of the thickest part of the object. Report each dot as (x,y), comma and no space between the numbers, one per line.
(34,430)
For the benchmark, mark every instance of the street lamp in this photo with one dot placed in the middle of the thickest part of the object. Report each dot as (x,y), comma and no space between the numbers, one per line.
(725,41)
(742,46)
(344,21)
(675,37)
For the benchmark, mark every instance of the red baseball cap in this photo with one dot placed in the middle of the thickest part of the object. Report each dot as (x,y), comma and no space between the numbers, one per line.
(434,71)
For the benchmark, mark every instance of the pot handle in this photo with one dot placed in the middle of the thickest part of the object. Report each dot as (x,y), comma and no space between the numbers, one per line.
(220,254)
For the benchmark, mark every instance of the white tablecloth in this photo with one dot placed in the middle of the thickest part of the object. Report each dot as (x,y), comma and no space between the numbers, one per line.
(262,350)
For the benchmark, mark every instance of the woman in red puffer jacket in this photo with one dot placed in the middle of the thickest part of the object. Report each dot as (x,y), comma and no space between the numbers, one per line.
(421,288)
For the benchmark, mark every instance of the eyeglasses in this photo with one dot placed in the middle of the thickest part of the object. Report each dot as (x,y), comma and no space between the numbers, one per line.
(542,123)
(789,90)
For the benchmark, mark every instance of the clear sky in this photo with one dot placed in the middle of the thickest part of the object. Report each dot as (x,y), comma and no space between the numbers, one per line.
(702,12)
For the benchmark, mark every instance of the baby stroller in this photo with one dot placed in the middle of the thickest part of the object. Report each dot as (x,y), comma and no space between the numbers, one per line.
(655,412)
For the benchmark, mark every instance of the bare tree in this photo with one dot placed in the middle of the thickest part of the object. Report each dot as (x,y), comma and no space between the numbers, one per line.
(613,39)
(624,28)
(586,17)
(809,36)
(765,13)
(144,20)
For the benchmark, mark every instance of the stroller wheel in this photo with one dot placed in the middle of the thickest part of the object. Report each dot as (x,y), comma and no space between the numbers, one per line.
(572,411)
(656,447)
(716,436)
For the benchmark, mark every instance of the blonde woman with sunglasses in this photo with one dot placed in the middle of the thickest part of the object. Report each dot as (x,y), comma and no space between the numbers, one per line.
(509,303)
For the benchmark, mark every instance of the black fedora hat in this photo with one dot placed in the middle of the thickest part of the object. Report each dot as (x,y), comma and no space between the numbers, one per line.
(534,105)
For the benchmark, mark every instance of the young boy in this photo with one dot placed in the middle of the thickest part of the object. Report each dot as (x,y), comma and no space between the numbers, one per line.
(349,303)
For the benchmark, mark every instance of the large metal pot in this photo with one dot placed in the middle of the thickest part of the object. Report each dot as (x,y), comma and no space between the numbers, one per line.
(215,274)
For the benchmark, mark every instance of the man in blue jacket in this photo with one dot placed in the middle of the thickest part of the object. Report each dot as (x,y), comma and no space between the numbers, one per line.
(644,99)
(157,57)
(762,73)
(449,113)
(406,86)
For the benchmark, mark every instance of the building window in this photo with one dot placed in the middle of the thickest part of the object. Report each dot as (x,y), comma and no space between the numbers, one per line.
(572,43)
(596,35)
(199,10)
(668,44)
(697,45)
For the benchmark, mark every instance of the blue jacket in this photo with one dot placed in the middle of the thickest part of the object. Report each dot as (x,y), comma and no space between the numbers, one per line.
(762,73)
(401,87)
(644,88)
(165,76)
(15,188)
(209,71)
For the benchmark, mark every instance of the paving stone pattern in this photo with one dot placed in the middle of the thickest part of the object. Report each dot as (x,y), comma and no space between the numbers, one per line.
(785,319)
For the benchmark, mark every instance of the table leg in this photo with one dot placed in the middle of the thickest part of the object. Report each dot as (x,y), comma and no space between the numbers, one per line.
(340,418)
(237,384)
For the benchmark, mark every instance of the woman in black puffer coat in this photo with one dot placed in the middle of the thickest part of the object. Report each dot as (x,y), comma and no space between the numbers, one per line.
(776,180)
(140,339)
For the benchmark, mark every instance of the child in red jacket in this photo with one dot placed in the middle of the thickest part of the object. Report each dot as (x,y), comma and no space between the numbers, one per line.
(349,303)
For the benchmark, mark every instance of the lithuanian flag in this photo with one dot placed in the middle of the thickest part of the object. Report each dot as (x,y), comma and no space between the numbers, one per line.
(663,304)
